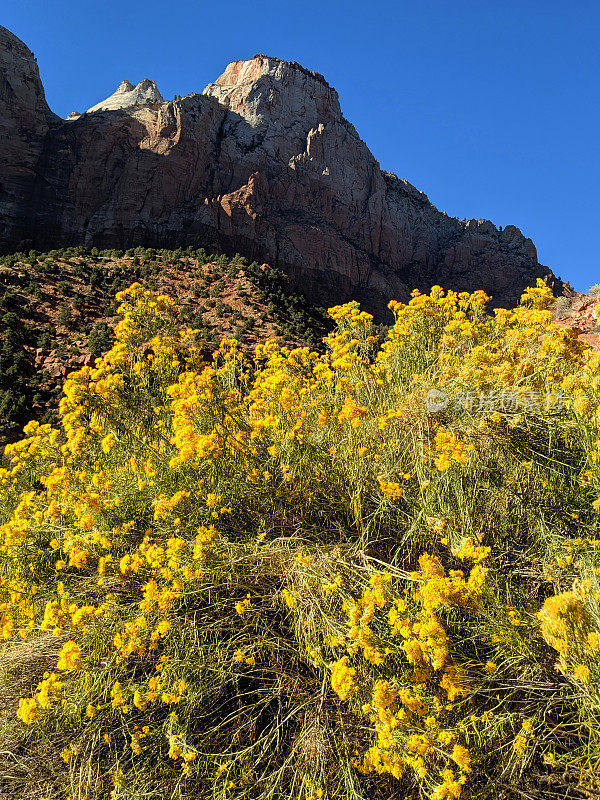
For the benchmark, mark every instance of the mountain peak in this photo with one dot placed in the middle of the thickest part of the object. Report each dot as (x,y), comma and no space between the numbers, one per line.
(124,86)
(21,90)
(267,87)
(128,95)
(251,69)
(8,36)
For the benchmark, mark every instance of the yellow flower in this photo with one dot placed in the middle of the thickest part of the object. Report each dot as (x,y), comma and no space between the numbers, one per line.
(564,620)
(28,711)
(69,657)
(343,678)
(242,606)
(582,405)
(163,627)
(520,744)
(390,489)
(175,750)
(78,558)
(108,443)
(581,674)
(462,757)
(289,598)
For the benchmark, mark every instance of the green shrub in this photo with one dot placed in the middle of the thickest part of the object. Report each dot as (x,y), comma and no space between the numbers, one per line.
(100,338)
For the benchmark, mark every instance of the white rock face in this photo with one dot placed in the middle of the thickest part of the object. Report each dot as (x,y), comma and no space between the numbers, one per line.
(128,95)
(124,87)
(267,90)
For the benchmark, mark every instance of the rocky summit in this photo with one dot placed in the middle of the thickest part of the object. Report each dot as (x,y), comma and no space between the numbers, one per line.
(262,162)
(128,95)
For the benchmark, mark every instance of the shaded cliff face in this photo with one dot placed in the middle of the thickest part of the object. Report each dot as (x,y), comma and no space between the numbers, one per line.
(24,123)
(262,163)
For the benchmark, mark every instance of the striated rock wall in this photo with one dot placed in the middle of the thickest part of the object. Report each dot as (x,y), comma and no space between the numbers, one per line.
(263,163)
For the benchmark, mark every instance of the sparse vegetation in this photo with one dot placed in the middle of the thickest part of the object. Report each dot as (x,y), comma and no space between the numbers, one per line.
(562,305)
(100,338)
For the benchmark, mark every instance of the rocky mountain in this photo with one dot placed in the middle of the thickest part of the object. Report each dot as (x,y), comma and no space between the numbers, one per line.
(262,162)
(126,96)
(580,313)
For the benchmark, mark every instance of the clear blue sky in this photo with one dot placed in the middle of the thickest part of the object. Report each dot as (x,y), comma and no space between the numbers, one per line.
(491,108)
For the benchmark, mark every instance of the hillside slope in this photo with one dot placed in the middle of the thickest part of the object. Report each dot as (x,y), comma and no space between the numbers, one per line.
(57,310)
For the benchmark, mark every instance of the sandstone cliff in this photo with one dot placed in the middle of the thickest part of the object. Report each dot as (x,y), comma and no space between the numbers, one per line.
(25,121)
(262,162)
(580,312)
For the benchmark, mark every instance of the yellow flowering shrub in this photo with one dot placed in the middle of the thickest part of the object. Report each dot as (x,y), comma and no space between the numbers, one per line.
(288,575)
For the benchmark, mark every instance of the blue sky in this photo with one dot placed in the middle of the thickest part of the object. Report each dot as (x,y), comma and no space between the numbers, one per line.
(490,108)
